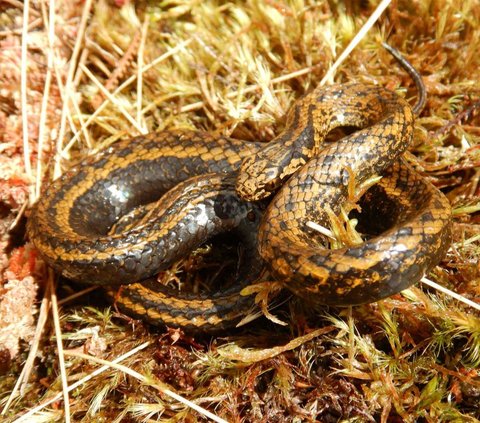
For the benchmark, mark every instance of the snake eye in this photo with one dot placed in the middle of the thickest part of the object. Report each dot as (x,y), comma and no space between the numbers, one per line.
(271,186)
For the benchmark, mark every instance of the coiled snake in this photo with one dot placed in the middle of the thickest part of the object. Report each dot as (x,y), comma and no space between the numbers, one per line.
(215,184)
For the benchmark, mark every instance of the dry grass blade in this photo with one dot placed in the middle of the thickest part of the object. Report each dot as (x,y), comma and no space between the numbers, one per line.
(50,24)
(113,100)
(68,85)
(82,381)
(141,50)
(450,293)
(124,85)
(321,229)
(24,376)
(251,89)
(243,355)
(26,144)
(155,385)
(61,358)
(356,40)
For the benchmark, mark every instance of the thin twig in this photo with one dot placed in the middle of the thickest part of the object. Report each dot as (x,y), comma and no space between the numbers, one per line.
(74,296)
(81,382)
(18,216)
(77,294)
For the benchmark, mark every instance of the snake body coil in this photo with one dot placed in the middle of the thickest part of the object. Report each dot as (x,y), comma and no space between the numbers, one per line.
(70,224)
(419,214)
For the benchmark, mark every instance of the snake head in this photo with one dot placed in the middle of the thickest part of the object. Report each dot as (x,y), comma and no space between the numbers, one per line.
(263,173)
(257,178)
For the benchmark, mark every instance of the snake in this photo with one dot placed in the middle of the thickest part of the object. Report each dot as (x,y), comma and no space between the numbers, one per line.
(197,185)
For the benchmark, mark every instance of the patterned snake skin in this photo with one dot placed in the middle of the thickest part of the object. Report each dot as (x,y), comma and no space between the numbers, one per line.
(71,224)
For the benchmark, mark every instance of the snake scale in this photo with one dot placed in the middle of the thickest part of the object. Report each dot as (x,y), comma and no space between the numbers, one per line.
(215,184)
